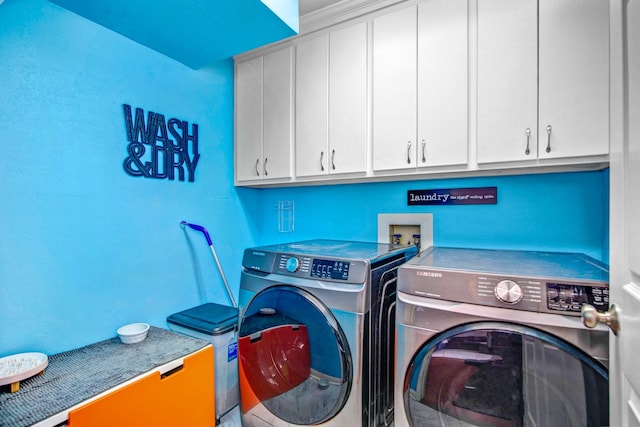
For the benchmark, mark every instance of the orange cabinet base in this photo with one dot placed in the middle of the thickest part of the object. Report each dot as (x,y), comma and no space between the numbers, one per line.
(183,396)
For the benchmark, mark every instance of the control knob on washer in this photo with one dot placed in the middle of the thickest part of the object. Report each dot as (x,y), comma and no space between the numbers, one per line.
(508,291)
(292,265)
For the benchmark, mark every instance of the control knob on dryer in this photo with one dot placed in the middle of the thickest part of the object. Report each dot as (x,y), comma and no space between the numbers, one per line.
(508,291)
(292,265)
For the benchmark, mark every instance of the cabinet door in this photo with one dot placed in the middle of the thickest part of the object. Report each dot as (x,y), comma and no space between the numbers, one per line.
(394,90)
(507,80)
(248,145)
(348,99)
(312,62)
(277,133)
(442,82)
(180,397)
(574,78)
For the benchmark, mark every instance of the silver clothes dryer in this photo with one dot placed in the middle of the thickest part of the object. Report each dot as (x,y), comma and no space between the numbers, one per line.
(495,338)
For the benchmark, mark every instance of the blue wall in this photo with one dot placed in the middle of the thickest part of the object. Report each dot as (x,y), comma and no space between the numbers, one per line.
(562,212)
(86,248)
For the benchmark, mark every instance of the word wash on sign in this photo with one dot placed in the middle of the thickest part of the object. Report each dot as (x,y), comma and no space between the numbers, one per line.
(158,148)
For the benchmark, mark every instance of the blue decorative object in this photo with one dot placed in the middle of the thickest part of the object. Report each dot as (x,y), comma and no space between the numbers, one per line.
(160,149)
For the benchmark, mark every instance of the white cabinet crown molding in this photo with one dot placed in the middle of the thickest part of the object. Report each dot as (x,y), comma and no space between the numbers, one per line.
(325,19)
(340,12)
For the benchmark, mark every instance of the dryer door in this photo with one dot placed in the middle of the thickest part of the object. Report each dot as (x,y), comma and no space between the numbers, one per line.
(500,374)
(294,359)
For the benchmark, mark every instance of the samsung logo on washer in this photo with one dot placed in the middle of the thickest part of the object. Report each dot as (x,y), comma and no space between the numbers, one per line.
(159,148)
(433,274)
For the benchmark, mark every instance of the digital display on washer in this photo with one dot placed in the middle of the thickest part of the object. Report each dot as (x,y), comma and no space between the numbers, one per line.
(327,269)
(563,297)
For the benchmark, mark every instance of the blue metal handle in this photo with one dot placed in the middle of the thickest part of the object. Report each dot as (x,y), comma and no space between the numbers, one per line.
(215,257)
(200,229)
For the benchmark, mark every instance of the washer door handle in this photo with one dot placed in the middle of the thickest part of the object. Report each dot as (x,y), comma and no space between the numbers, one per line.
(591,317)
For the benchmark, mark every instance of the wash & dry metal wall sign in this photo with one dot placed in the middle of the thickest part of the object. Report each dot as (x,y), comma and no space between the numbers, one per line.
(454,196)
(159,148)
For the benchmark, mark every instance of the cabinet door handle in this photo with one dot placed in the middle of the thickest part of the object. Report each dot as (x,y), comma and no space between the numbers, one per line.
(528,132)
(408,152)
(257,163)
(265,167)
(322,161)
(548,150)
(333,157)
(171,372)
(424,151)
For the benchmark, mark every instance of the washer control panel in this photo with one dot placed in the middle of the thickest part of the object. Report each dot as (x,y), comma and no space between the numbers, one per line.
(339,270)
(330,269)
(318,268)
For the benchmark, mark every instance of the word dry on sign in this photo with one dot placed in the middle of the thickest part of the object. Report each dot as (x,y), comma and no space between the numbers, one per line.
(160,149)
(454,196)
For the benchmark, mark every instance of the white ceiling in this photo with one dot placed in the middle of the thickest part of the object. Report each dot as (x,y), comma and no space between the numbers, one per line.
(306,6)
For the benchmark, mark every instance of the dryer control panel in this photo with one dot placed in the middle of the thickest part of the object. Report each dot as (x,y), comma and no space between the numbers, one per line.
(529,294)
(566,297)
(558,283)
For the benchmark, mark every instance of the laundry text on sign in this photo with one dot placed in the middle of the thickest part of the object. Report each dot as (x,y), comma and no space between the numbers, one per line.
(453,196)
(159,148)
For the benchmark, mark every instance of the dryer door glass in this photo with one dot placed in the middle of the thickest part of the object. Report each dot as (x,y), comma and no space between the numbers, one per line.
(494,374)
(294,357)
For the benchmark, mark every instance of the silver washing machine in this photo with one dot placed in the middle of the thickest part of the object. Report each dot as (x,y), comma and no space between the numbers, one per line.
(495,338)
(316,337)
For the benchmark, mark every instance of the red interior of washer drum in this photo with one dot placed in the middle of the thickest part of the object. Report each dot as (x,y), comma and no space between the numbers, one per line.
(272,362)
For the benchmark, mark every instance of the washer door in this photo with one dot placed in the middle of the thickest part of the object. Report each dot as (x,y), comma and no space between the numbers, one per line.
(500,374)
(294,357)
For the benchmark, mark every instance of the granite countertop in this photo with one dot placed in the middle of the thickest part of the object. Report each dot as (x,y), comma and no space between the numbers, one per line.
(77,375)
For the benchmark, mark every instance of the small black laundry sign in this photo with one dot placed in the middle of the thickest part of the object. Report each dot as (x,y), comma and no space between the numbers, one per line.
(454,196)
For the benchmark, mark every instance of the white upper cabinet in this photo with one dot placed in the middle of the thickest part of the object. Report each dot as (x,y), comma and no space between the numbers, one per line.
(442,82)
(574,78)
(348,99)
(277,115)
(263,117)
(420,86)
(331,102)
(428,87)
(556,106)
(312,78)
(248,106)
(507,80)
(394,90)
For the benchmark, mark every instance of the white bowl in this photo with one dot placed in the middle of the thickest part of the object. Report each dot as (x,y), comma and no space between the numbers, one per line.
(133,332)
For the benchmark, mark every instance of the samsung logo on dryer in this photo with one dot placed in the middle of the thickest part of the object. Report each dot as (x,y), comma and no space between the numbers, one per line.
(433,274)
